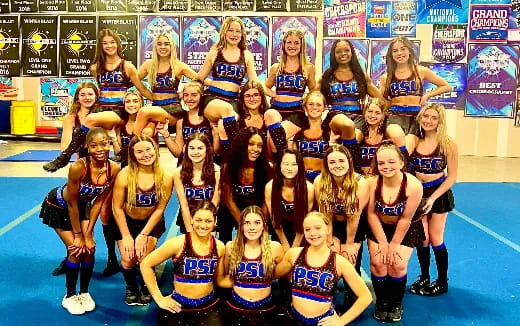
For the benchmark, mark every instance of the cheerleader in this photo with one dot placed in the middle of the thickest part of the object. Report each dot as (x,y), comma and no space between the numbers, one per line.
(315,272)
(141,194)
(164,72)
(291,76)
(395,224)
(72,211)
(373,133)
(248,269)
(196,258)
(435,152)
(196,179)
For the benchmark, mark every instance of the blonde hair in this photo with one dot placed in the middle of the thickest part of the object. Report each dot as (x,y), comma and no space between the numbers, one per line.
(302,56)
(238,244)
(223,30)
(329,191)
(441,135)
(133,171)
(154,67)
(136,93)
(316,93)
(320,215)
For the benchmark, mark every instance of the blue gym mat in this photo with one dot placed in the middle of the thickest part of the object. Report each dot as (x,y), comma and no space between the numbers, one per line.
(34,155)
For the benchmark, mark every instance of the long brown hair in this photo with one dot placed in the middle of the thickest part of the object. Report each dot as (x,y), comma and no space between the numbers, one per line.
(208,168)
(222,42)
(302,56)
(386,144)
(99,58)
(74,108)
(391,65)
(252,84)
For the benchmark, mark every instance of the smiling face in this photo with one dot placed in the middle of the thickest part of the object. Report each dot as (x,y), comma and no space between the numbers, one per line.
(292,45)
(234,33)
(144,153)
(163,47)
(343,52)
(430,120)
(314,106)
(337,163)
(132,103)
(252,99)
(254,147)
(109,45)
(289,166)
(87,97)
(196,151)
(203,222)
(373,115)
(99,147)
(400,52)
(389,163)
(253,226)
(191,97)
(315,230)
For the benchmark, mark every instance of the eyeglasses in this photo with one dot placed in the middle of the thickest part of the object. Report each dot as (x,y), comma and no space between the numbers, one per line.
(251,96)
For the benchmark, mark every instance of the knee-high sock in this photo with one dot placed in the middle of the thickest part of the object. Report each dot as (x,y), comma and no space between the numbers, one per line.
(130,276)
(423,254)
(226,145)
(231,127)
(278,136)
(85,276)
(353,147)
(78,139)
(110,242)
(396,288)
(71,277)
(380,284)
(441,258)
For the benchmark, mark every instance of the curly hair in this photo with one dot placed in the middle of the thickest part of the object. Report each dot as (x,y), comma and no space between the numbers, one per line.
(391,65)
(238,244)
(99,58)
(208,168)
(355,66)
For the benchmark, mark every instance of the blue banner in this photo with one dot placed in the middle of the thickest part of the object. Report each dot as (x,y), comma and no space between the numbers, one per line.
(360,46)
(488,23)
(378,19)
(455,74)
(442,11)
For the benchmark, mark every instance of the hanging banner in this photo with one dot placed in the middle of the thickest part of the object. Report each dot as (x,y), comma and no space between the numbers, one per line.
(126,28)
(492,80)
(491,2)
(442,11)
(347,19)
(281,25)
(57,95)
(517,113)
(271,5)
(206,5)
(52,5)
(449,42)
(513,26)
(39,56)
(378,19)
(360,46)
(199,34)
(306,5)
(257,35)
(23,6)
(488,23)
(456,75)
(9,46)
(77,45)
(141,6)
(4,6)
(81,5)
(173,5)
(7,91)
(150,27)
(404,15)
(111,5)
(239,5)
(378,50)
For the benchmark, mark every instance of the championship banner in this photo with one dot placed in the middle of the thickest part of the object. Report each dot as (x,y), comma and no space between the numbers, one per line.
(517,113)
(488,23)
(281,25)
(449,43)
(39,45)
(7,91)
(9,46)
(346,19)
(4,6)
(150,27)
(141,6)
(378,50)
(442,11)
(111,5)
(492,80)
(206,5)
(57,95)
(491,2)
(271,5)
(404,15)
(455,74)
(239,5)
(126,28)
(360,46)
(513,26)
(378,19)
(24,6)
(306,5)
(81,5)
(199,34)
(52,5)
(257,35)
(173,5)
(77,45)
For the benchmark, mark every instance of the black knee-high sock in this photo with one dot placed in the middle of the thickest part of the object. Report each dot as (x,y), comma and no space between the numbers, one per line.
(359,258)
(423,254)
(71,277)
(441,258)
(278,136)
(130,276)
(79,136)
(226,145)
(396,288)
(110,242)
(85,276)
(355,152)
(380,285)
(231,127)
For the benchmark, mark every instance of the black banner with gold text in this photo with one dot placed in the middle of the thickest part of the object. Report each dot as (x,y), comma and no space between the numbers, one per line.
(141,6)
(9,46)
(173,5)
(24,6)
(126,28)
(81,5)
(111,5)
(4,6)
(39,45)
(77,45)
(52,5)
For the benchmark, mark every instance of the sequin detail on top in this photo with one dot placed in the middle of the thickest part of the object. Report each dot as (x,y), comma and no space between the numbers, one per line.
(432,163)
(342,91)
(314,283)
(311,147)
(368,152)
(88,190)
(405,87)
(291,84)
(391,209)
(233,72)
(250,274)
(190,267)
(113,81)
(146,198)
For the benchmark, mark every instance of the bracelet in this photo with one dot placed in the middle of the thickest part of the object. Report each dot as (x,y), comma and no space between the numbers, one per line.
(78,232)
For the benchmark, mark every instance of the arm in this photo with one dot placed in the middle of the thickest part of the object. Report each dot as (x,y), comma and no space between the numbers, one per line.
(143,71)
(216,194)
(270,82)
(169,249)
(131,71)
(66,135)
(310,203)
(206,67)
(183,201)
(74,178)
(382,84)
(453,166)
(284,267)
(185,70)
(441,83)
(374,222)
(250,66)
(352,248)
(118,203)
(223,278)
(279,231)
(311,77)
(373,91)
(115,138)
(174,146)
(227,198)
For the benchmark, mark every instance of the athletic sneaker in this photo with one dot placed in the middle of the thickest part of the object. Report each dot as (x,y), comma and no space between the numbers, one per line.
(73,305)
(395,313)
(380,311)
(132,297)
(60,269)
(87,301)
(420,284)
(111,268)
(144,296)
(435,288)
